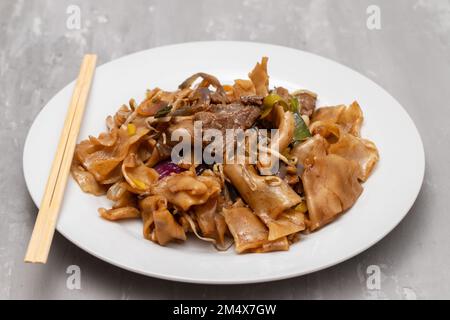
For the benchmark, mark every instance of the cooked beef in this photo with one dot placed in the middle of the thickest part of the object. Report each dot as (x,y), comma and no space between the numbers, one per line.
(282,92)
(230,116)
(307,101)
(218,98)
(252,100)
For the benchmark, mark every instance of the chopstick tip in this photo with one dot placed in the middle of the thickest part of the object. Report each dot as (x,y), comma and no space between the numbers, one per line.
(34,261)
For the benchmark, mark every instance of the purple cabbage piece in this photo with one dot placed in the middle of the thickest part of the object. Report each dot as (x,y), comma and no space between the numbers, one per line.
(165,168)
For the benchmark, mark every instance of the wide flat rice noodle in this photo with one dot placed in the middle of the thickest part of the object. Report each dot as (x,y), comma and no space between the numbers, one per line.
(266,199)
(105,139)
(260,78)
(86,180)
(243,88)
(281,244)
(350,118)
(360,150)
(114,176)
(331,186)
(121,196)
(246,228)
(328,130)
(159,224)
(289,222)
(249,232)
(210,220)
(138,175)
(166,228)
(147,206)
(119,213)
(186,189)
(306,151)
(101,162)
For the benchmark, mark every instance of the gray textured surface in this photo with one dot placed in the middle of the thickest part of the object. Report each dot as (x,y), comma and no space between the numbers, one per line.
(409,56)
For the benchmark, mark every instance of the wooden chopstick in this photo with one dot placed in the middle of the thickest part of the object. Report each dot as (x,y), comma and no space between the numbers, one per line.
(44,228)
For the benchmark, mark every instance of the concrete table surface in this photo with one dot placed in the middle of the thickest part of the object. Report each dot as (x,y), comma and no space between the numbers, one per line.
(409,55)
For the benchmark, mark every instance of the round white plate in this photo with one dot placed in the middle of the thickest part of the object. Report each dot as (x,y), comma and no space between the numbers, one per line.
(388,194)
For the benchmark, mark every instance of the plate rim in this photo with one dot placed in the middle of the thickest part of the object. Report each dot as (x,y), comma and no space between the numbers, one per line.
(199,280)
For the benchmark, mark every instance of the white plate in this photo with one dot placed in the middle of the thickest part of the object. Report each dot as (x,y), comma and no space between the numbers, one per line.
(388,195)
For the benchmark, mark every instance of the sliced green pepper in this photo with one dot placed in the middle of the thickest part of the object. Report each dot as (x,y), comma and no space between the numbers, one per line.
(268,104)
(294,105)
(301,131)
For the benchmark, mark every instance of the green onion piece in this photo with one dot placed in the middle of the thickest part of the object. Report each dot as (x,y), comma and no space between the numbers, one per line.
(268,103)
(163,112)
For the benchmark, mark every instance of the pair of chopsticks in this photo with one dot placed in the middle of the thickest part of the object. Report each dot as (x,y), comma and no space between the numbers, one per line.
(44,228)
